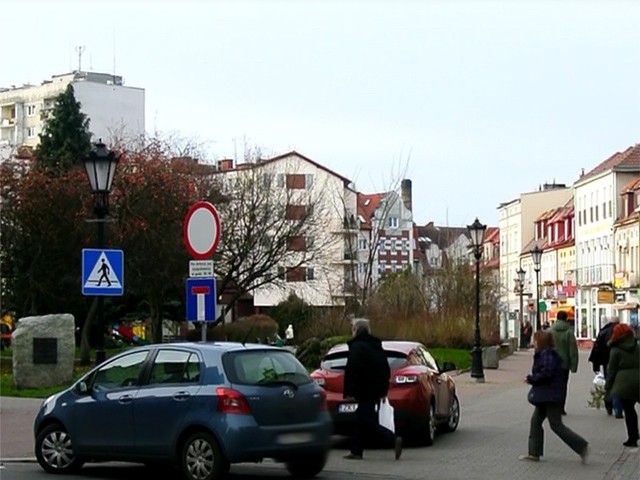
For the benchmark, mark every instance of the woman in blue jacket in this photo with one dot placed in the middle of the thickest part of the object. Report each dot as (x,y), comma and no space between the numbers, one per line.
(548,390)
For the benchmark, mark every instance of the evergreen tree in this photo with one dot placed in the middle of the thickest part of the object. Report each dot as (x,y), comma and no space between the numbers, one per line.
(65,139)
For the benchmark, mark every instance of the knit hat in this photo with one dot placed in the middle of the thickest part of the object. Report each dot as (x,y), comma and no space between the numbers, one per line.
(621,330)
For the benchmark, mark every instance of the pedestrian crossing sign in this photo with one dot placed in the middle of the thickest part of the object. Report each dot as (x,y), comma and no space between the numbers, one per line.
(102,272)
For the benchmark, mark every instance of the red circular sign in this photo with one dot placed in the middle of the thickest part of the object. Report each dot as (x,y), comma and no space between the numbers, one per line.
(201,230)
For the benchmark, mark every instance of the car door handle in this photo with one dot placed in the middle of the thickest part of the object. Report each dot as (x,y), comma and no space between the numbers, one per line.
(180,396)
(125,399)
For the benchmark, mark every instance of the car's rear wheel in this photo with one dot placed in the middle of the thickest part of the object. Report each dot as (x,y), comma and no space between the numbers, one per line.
(54,450)
(430,430)
(202,458)
(454,416)
(307,466)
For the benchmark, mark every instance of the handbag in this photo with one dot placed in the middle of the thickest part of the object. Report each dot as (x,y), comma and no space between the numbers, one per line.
(533,396)
(385,414)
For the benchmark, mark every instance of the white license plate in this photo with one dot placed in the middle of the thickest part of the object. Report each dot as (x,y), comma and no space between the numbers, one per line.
(347,407)
(294,438)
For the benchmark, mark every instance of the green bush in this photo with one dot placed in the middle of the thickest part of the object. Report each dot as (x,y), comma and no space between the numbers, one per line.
(311,352)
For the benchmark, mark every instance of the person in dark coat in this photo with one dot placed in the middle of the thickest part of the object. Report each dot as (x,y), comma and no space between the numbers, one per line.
(548,390)
(623,381)
(599,357)
(366,379)
(567,347)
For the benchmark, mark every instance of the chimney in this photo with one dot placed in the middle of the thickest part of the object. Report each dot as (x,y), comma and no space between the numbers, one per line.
(405,189)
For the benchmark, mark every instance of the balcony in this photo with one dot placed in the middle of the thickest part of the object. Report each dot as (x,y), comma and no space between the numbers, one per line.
(7,123)
(595,275)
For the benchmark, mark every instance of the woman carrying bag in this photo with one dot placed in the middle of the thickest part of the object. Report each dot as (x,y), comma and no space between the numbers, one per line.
(547,393)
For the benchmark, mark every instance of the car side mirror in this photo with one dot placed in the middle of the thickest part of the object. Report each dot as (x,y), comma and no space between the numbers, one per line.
(448,367)
(82,388)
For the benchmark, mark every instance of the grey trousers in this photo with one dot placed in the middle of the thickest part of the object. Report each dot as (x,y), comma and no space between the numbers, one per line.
(553,412)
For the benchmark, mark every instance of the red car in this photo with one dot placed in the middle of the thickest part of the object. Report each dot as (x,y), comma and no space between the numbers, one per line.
(422,394)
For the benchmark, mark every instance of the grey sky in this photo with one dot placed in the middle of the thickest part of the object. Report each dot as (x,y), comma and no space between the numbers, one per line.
(478,100)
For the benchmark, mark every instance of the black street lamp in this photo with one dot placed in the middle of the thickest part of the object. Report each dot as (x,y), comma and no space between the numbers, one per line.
(100,165)
(521,276)
(476,232)
(536,254)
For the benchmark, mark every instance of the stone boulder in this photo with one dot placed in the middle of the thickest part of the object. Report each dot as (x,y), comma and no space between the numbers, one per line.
(43,351)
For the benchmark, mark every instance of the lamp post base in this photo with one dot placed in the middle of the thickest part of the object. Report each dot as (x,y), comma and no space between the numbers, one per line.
(477,372)
(101,356)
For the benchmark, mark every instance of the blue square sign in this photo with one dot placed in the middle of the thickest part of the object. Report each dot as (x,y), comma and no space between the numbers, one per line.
(201,299)
(102,272)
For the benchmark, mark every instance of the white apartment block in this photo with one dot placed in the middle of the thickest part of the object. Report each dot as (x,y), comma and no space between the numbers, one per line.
(114,110)
(597,207)
(322,282)
(516,221)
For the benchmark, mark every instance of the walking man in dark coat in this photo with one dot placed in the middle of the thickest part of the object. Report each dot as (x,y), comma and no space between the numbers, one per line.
(599,357)
(366,379)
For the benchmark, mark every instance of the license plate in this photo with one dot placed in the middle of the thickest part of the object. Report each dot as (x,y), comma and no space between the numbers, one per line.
(347,407)
(294,438)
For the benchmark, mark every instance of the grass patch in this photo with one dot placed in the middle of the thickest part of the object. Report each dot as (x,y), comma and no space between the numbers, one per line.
(461,357)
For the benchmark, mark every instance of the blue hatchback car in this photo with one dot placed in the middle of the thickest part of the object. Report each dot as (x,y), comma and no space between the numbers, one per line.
(198,406)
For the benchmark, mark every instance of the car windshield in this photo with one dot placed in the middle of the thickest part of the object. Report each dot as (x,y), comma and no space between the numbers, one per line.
(265,367)
(338,360)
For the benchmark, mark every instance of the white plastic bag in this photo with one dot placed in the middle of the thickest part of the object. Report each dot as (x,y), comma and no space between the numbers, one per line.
(599,380)
(385,414)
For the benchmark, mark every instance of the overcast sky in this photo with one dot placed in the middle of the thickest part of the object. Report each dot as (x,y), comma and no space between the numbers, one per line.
(474,101)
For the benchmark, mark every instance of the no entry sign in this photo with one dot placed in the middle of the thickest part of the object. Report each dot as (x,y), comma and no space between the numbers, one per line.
(201,230)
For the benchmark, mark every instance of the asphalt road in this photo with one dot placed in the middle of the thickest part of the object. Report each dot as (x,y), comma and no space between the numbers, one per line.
(493,432)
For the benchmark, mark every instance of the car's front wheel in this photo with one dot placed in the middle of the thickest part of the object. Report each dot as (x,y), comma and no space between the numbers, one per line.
(454,416)
(202,458)
(54,450)
(307,466)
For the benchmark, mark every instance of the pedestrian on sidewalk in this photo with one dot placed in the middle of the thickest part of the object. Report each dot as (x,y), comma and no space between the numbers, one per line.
(548,391)
(567,347)
(599,357)
(366,379)
(623,381)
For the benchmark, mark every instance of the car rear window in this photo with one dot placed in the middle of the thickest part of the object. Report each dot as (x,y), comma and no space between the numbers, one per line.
(338,361)
(261,367)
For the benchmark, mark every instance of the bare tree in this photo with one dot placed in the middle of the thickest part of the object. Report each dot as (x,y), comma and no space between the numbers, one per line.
(274,230)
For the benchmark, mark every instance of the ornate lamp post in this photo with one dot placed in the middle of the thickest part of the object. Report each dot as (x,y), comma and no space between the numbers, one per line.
(476,232)
(521,276)
(536,254)
(101,167)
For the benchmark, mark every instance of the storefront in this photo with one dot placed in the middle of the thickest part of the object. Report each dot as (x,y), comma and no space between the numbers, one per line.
(593,305)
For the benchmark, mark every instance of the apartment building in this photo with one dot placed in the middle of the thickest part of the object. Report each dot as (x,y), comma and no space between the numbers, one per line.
(516,223)
(598,206)
(114,110)
(329,201)
(627,246)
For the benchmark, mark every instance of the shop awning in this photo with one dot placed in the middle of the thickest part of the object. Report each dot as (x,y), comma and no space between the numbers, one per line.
(570,309)
(626,306)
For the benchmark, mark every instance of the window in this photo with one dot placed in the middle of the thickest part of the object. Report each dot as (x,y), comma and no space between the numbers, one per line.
(120,373)
(280,180)
(295,212)
(31,132)
(362,268)
(31,110)
(173,366)
(281,272)
(393,222)
(267,180)
(308,180)
(596,213)
(253,367)
(310,273)
(362,244)
(296,181)
(296,243)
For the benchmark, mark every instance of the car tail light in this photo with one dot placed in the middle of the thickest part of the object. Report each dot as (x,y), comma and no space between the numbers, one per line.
(232,401)
(406,378)
(318,379)
(323,400)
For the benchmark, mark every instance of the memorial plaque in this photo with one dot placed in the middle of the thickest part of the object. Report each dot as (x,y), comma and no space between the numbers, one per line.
(45,351)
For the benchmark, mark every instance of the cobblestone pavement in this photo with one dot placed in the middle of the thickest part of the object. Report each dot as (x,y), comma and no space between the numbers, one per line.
(493,432)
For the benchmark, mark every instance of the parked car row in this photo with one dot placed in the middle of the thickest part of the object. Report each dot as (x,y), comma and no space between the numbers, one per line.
(201,407)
